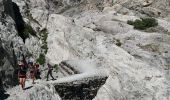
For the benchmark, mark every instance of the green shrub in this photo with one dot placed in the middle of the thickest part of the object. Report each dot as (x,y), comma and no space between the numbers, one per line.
(143,23)
(138,24)
(45,48)
(150,22)
(44,35)
(41,59)
(29,29)
(26,31)
(118,43)
(56,67)
(130,22)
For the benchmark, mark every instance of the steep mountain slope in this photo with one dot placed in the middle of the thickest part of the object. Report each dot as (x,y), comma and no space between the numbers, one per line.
(134,74)
(136,62)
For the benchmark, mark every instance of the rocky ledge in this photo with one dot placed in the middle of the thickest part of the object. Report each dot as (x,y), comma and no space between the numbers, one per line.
(85,89)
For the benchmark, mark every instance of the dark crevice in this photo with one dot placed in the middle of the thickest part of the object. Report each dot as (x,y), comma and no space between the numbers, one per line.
(85,89)
(18,18)
(3,95)
(12,9)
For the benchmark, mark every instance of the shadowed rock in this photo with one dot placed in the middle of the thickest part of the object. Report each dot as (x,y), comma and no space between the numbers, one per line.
(85,89)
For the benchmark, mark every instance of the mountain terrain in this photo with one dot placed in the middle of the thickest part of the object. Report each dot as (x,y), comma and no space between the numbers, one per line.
(103,57)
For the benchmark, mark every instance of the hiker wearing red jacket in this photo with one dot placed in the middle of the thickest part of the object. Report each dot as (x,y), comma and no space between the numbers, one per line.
(22,74)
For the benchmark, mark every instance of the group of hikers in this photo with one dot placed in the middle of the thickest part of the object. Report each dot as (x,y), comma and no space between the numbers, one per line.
(30,69)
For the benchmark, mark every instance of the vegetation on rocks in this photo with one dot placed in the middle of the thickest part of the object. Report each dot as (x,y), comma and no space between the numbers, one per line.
(43,35)
(56,67)
(118,43)
(41,59)
(130,22)
(143,23)
(27,30)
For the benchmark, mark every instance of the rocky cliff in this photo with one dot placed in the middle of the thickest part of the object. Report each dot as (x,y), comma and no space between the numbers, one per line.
(11,42)
(8,40)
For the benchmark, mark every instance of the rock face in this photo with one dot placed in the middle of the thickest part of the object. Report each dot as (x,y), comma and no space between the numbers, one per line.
(85,90)
(40,91)
(137,61)
(148,7)
(8,42)
(127,79)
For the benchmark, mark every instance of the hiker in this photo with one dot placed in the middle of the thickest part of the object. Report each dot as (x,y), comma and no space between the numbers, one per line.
(22,74)
(30,61)
(37,71)
(32,74)
(50,68)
